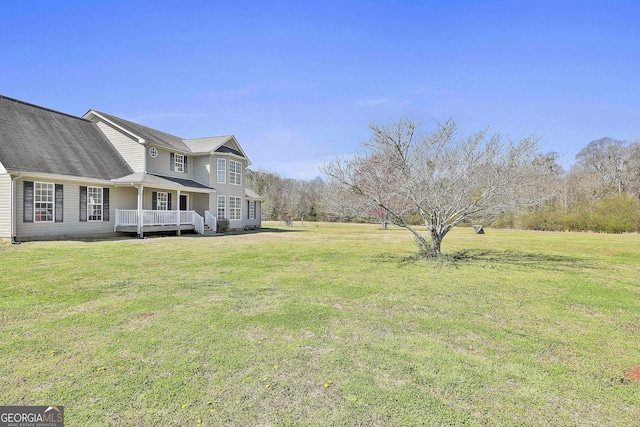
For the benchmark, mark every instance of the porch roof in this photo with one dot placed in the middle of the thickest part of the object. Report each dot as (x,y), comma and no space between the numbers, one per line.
(164,182)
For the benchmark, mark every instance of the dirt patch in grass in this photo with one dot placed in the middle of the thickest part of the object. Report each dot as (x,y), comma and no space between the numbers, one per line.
(633,374)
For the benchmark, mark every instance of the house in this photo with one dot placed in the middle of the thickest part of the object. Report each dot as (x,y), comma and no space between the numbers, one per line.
(65,176)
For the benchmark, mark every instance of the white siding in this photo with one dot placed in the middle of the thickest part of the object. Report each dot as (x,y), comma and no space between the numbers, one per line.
(131,150)
(5,206)
(119,198)
(227,189)
(257,223)
(200,203)
(202,170)
(161,164)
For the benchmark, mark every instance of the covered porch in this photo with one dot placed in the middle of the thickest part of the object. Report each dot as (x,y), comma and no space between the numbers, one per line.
(129,220)
(166,205)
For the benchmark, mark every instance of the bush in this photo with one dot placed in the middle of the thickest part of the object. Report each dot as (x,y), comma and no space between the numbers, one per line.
(549,218)
(617,214)
(222,226)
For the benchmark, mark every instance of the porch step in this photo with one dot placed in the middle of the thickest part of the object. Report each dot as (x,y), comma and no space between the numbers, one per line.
(208,231)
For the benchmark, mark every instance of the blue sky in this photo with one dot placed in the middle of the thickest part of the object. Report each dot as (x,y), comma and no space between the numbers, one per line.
(298,82)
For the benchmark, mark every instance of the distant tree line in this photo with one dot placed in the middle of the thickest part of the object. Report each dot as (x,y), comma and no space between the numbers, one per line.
(600,193)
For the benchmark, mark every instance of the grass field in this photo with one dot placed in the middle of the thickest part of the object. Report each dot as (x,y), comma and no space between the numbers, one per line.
(325,325)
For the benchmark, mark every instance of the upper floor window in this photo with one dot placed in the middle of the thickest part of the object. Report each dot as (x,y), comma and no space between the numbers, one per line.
(235,172)
(94,203)
(178,163)
(44,201)
(222,171)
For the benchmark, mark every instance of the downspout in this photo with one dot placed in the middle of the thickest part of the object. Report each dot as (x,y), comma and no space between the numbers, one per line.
(14,207)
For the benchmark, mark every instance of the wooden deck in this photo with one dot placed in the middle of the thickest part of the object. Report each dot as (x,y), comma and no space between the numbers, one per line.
(154,228)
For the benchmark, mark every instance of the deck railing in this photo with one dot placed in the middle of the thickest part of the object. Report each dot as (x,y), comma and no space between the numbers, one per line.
(198,223)
(129,217)
(210,220)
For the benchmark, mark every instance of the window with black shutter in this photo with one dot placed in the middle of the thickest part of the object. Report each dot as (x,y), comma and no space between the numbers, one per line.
(27,201)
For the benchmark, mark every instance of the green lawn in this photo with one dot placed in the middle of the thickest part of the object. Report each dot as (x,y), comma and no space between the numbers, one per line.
(325,325)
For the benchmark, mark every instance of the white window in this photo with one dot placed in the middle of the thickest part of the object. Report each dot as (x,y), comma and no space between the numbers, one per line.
(252,210)
(222,171)
(94,203)
(221,207)
(235,172)
(178,162)
(153,152)
(44,201)
(162,201)
(235,205)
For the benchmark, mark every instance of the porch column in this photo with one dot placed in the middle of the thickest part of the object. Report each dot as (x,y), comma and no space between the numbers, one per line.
(179,232)
(140,200)
(13,202)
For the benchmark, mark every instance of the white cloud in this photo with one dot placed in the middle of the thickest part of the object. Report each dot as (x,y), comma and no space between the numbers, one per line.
(373,101)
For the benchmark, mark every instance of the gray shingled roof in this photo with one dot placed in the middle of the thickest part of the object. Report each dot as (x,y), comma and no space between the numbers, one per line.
(150,135)
(252,194)
(205,145)
(36,139)
(185,182)
(161,181)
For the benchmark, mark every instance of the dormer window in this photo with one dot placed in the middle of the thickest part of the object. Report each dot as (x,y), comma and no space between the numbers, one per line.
(178,163)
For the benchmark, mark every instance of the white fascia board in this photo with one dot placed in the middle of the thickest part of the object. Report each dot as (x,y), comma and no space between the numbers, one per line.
(54,177)
(230,155)
(167,187)
(233,138)
(2,169)
(140,139)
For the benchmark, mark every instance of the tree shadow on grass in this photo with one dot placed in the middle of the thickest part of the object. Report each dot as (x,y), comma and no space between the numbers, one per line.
(495,258)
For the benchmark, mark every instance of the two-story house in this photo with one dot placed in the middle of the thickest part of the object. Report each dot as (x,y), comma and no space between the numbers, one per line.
(68,176)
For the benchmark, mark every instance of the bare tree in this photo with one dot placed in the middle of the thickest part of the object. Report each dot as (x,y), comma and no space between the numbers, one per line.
(616,164)
(447,180)
(338,202)
(375,176)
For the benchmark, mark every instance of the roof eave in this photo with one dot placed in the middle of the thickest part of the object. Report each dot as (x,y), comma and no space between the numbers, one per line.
(125,130)
(53,176)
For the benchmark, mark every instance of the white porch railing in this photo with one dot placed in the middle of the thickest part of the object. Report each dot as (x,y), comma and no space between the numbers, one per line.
(150,218)
(198,223)
(210,220)
(126,218)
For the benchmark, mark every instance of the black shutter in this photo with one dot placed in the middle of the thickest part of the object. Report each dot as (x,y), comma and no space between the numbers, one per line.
(83,204)
(171,161)
(27,201)
(185,164)
(168,201)
(105,204)
(59,200)
(248,209)
(154,200)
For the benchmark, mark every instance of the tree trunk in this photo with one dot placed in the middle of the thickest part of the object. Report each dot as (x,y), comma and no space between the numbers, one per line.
(436,242)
